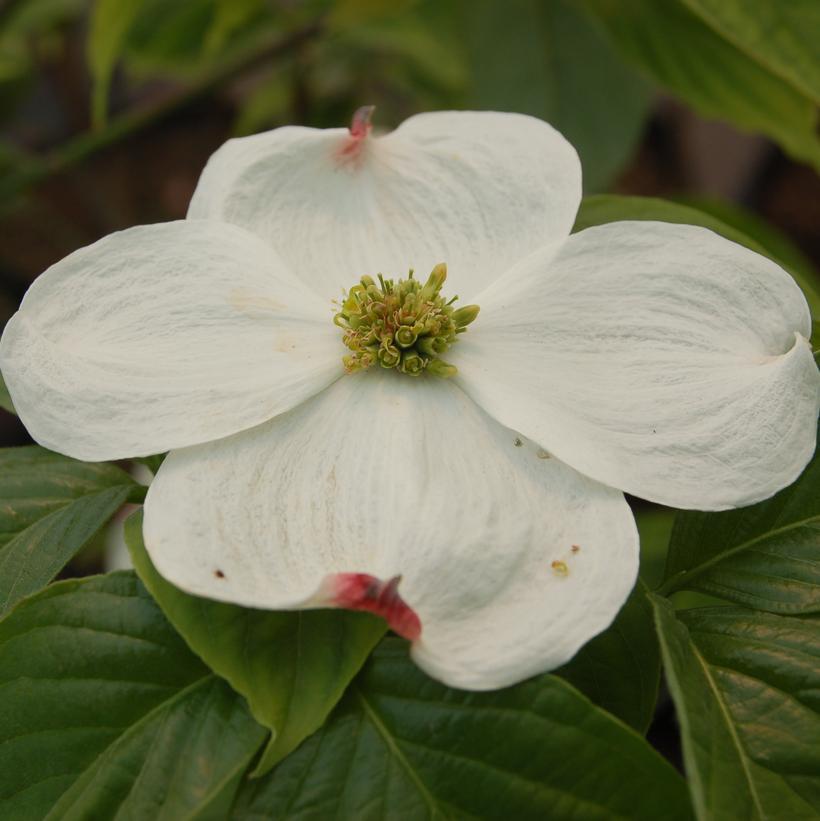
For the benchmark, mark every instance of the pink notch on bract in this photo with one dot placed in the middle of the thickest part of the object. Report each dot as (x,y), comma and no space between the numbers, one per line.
(360,125)
(360,591)
(350,152)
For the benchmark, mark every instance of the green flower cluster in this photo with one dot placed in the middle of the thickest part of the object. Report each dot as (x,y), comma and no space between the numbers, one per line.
(401,324)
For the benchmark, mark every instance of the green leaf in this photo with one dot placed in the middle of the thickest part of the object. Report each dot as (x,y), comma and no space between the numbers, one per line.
(291,666)
(111,23)
(783,36)
(619,669)
(35,482)
(654,527)
(34,557)
(5,398)
(403,746)
(105,713)
(765,556)
(545,57)
(603,208)
(677,48)
(745,686)
(50,507)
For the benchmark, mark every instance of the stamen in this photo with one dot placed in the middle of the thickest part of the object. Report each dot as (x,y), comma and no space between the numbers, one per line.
(401,324)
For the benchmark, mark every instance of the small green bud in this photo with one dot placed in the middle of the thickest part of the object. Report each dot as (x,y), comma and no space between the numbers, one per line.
(438,367)
(464,316)
(434,281)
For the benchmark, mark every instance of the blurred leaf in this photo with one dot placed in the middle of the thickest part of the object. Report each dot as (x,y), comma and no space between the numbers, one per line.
(765,556)
(176,39)
(655,527)
(783,35)
(111,23)
(231,16)
(546,59)
(600,209)
(345,13)
(400,745)
(105,713)
(266,106)
(5,398)
(50,507)
(23,18)
(291,666)
(679,50)
(410,43)
(619,669)
(745,686)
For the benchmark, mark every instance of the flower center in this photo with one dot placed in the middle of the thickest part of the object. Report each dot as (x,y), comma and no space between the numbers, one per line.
(401,324)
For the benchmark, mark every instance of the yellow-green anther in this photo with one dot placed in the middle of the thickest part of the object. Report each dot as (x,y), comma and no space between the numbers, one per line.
(464,316)
(401,324)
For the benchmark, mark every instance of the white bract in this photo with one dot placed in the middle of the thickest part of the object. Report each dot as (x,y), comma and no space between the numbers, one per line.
(645,357)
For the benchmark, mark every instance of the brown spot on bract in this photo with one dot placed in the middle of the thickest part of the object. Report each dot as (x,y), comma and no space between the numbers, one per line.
(518,442)
(219,574)
(575,548)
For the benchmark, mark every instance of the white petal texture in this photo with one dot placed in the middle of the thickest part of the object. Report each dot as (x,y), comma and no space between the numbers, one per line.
(163,336)
(660,359)
(477,190)
(385,475)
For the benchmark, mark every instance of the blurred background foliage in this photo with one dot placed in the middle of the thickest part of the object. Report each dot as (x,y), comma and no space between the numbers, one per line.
(110,108)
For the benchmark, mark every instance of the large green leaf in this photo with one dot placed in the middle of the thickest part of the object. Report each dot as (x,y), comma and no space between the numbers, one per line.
(765,556)
(403,746)
(781,34)
(50,507)
(603,208)
(291,666)
(545,58)
(619,670)
(746,685)
(681,51)
(105,713)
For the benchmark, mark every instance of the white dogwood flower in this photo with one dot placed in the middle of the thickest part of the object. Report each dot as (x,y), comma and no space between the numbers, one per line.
(331,434)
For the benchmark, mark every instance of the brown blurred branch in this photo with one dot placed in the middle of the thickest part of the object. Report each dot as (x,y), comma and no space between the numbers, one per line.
(34,169)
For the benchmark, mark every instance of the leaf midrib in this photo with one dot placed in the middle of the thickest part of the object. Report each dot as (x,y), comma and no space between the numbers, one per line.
(741,750)
(387,736)
(142,721)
